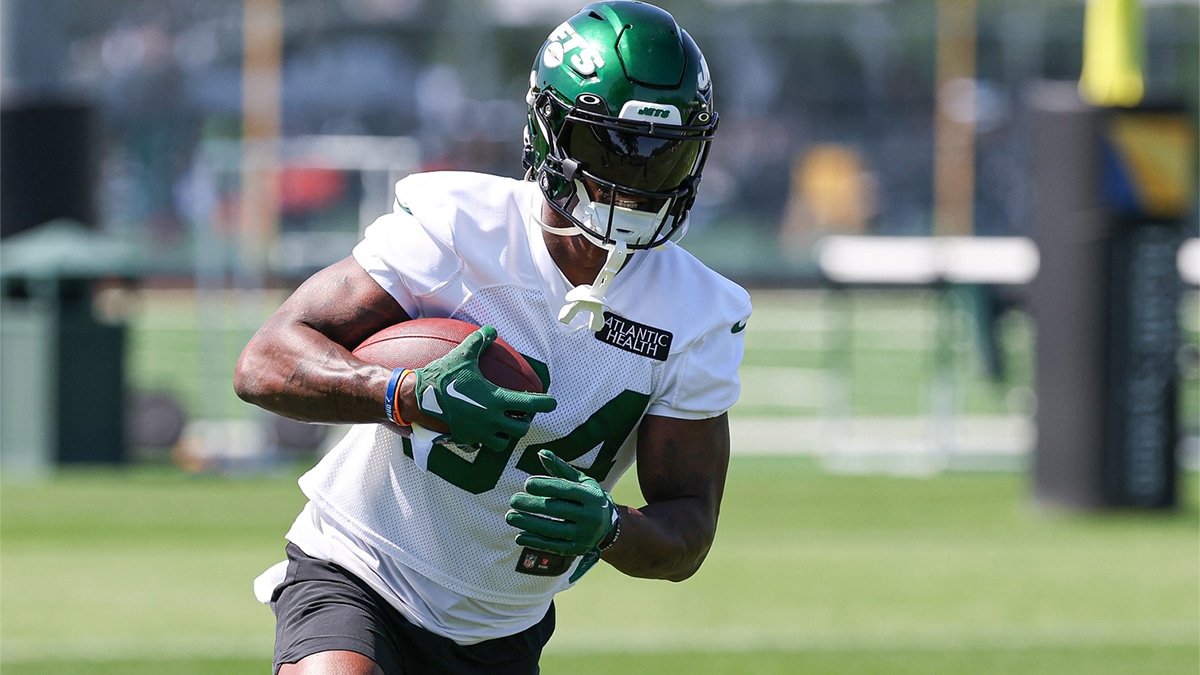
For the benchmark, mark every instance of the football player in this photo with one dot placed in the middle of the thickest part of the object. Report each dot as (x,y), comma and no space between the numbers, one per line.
(438,531)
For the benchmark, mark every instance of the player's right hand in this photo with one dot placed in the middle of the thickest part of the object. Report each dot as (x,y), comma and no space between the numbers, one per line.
(477,412)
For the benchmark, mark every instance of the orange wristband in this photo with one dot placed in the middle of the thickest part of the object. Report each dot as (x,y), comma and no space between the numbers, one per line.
(393,398)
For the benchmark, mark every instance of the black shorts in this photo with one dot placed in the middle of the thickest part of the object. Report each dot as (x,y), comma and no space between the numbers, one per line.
(320,606)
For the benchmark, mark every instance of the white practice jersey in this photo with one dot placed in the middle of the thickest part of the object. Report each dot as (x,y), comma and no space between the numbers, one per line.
(468,246)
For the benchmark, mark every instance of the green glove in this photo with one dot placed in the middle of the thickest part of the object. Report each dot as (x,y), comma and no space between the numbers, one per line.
(567,513)
(477,412)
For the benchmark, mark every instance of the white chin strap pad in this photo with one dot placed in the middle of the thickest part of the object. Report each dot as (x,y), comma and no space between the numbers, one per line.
(589,298)
(630,225)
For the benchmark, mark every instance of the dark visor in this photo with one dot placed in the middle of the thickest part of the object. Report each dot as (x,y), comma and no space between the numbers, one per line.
(631,156)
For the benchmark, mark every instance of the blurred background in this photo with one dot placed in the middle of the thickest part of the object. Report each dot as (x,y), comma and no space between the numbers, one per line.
(969,228)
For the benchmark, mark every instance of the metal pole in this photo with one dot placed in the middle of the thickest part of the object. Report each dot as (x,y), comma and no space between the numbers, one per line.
(954,119)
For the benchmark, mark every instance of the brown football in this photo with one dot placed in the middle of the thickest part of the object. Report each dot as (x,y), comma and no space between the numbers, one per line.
(417,343)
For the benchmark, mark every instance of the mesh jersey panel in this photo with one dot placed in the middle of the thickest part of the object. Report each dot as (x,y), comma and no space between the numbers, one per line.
(448,534)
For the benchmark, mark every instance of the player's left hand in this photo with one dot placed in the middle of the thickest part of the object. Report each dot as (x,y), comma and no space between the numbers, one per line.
(566,512)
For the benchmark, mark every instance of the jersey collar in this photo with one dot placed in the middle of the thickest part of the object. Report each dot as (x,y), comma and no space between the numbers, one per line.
(554,284)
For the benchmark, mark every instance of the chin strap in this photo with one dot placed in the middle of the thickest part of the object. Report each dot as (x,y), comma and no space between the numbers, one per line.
(590,297)
(560,231)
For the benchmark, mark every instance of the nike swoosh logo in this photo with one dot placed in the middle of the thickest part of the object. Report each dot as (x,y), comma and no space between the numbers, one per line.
(453,391)
(738,327)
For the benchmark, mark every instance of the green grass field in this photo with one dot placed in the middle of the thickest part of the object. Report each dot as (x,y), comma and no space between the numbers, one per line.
(149,571)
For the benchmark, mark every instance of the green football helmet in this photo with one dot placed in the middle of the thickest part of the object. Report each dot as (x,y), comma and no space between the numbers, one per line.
(620,122)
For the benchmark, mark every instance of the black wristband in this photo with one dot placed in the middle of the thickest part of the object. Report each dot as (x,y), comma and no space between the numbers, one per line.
(613,534)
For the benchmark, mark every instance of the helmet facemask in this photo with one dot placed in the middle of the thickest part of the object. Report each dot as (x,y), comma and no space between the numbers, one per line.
(616,179)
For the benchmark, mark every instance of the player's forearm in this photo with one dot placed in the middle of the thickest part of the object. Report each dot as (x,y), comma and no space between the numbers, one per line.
(296,372)
(666,540)
(299,364)
(681,467)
